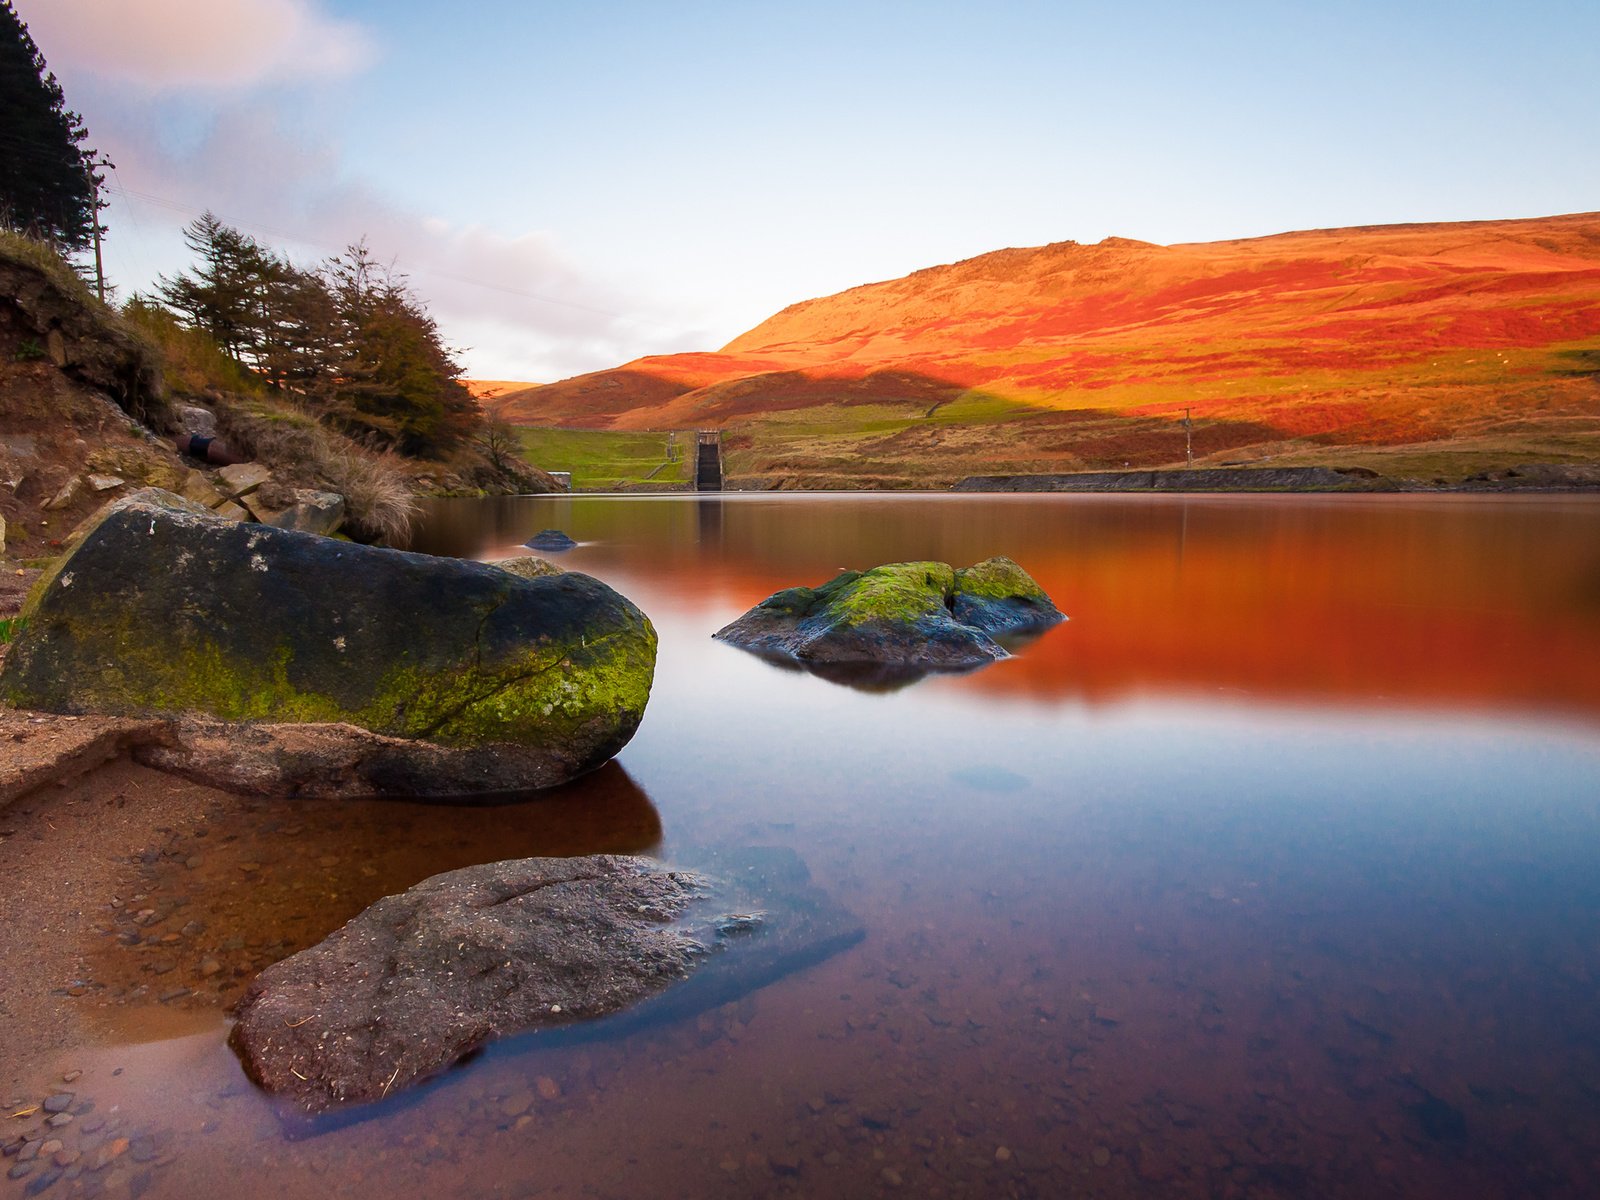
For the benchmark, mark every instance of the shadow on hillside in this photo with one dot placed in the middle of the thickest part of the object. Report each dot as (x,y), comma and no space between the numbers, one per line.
(977,429)
(1579,364)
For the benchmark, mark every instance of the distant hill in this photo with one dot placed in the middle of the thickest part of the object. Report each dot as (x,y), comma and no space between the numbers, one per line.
(1426,349)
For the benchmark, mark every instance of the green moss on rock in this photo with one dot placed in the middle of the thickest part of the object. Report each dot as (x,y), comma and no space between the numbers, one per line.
(164,609)
(917,614)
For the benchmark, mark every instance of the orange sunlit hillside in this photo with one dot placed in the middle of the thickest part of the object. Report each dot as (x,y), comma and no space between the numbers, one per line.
(1071,356)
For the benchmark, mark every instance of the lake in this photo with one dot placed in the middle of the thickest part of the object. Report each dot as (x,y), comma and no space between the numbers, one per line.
(1269,873)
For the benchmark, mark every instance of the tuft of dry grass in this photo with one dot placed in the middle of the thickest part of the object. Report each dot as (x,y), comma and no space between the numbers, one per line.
(379,503)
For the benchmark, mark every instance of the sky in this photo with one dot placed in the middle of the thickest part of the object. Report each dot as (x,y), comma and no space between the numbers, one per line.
(570,185)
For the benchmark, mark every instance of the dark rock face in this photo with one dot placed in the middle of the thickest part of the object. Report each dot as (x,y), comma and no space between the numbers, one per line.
(422,979)
(921,615)
(165,610)
(550,539)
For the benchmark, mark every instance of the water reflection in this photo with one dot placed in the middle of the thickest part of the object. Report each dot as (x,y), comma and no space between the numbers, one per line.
(1270,874)
(1454,601)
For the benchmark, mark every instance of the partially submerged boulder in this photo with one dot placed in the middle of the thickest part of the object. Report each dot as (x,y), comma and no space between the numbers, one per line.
(420,980)
(550,539)
(335,669)
(920,615)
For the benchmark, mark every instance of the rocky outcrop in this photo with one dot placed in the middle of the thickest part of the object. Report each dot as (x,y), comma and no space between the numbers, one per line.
(422,979)
(86,340)
(922,615)
(347,669)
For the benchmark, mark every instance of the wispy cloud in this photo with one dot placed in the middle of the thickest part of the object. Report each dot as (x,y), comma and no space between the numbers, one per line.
(168,45)
(221,71)
(517,303)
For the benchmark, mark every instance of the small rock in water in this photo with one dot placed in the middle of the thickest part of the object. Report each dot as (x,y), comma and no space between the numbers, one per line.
(550,539)
(60,1102)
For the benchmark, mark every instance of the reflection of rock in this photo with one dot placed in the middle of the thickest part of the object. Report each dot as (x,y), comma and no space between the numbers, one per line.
(905,617)
(422,979)
(353,670)
(550,539)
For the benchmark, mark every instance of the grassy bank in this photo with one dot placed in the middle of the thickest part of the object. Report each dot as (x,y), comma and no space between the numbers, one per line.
(604,461)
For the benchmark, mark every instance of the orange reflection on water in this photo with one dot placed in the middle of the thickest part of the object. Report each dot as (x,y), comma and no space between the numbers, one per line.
(1425,601)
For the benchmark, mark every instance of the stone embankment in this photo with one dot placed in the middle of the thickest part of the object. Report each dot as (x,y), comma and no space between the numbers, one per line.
(1203,479)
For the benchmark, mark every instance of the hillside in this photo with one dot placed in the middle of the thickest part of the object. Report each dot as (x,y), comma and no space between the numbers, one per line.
(1423,349)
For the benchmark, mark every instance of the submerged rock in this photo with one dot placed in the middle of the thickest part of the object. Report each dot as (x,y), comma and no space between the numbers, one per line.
(550,539)
(341,669)
(916,615)
(422,979)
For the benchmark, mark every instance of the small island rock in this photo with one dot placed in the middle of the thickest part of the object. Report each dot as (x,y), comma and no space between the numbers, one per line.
(922,615)
(550,539)
(303,665)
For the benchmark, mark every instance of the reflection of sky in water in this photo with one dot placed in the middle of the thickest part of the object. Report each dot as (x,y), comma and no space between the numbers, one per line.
(1266,874)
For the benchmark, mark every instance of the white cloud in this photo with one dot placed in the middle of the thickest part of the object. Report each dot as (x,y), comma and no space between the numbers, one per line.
(165,45)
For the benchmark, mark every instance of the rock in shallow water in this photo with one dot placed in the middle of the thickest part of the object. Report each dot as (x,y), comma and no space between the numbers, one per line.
(387,671)
(922,615)
(422,979)
(550,539)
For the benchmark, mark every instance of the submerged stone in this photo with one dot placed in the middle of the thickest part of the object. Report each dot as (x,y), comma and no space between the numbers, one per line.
(343,669)
(916,616)
(420,980)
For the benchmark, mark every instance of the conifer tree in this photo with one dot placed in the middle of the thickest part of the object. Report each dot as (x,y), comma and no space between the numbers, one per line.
(46,189)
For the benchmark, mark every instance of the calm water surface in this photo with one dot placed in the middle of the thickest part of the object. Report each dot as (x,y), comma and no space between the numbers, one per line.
(1271,873)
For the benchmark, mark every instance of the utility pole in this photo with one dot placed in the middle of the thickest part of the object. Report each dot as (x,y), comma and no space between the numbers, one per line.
(1188,438)
(94,218)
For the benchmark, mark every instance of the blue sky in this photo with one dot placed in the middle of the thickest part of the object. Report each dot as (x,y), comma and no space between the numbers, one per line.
(571,186)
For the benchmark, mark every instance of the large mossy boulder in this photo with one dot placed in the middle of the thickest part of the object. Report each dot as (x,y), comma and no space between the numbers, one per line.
(301,664)
(422,979)
(918,615)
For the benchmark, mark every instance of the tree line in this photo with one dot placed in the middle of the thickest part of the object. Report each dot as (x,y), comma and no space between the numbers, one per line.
(47,177)
(347,339)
